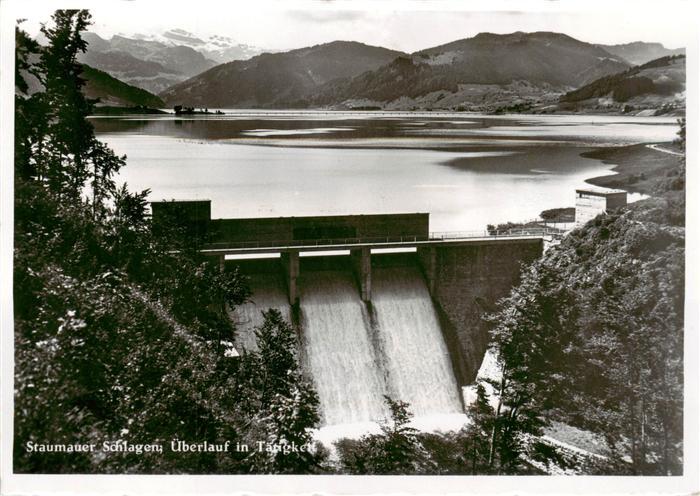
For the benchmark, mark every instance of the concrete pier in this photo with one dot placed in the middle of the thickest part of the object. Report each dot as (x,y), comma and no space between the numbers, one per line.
(362,266)
(290,264)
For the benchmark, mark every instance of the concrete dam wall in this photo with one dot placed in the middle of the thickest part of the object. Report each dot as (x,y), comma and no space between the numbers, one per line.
(408,325)
(466,282)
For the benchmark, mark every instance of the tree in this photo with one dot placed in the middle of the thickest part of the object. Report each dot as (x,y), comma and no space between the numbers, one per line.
(533,334)
(476,436)
(593,336)
(285,404)
(66,155)
(117,337)
(396,450)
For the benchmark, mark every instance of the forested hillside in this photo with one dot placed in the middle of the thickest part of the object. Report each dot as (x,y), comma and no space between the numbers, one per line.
(663,77)
(121,333)
(111,91)
(593,336)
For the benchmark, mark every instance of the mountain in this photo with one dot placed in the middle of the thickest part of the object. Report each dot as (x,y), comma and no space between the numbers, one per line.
(110,91)
(148,64)
(221,49)
(116,93)
(276,79)
(540,57)
(486,69)
(657,85)
(639,52)
(487,66)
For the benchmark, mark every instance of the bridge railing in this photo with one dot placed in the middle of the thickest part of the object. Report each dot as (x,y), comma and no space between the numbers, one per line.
(433,236)
(318,242)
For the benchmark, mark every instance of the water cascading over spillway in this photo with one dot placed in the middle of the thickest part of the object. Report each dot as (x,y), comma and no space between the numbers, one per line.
(338,348)
(356,353)
(417,358)
(268,292)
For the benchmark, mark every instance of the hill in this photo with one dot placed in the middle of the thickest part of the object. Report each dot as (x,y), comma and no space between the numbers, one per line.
(148,64)
(112,92)
(277,79)
(489,70)
(656,85)
(505,67)
(639,52)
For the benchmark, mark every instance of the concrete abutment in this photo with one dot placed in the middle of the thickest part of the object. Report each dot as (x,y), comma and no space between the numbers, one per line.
(465,283)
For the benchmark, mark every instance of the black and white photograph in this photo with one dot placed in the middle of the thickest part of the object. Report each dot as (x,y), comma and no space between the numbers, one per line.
(437,239)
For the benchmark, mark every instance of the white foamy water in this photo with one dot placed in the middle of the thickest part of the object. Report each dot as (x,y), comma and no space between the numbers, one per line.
(417,359)
(448,422)
(355,358)
(338,348)
(268,292)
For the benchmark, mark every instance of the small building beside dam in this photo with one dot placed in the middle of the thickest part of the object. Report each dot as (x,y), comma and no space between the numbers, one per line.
(377,299)
(591,202)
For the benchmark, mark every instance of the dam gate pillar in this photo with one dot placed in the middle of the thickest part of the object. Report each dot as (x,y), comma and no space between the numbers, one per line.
(290,264)
(428,261)
(362,265)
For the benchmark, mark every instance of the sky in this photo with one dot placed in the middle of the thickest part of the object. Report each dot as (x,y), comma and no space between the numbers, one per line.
(406,25)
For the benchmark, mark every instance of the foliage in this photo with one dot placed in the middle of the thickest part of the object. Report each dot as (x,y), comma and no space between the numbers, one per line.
(396,450)
(593,336)
(285,405)
(477,436)
(119,336)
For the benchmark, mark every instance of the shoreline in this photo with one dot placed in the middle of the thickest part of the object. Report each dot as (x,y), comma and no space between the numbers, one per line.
(637,167)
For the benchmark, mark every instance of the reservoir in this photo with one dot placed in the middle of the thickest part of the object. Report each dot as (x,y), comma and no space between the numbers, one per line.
(466,170)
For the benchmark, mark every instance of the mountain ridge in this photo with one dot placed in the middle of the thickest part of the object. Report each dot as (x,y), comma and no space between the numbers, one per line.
(641,52)
(148,64)
(656,84)
(278,78)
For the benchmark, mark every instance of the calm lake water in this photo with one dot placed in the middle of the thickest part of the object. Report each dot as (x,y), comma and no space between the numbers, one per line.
(466,170)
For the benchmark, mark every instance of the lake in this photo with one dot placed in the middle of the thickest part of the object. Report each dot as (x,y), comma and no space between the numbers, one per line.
(466,170)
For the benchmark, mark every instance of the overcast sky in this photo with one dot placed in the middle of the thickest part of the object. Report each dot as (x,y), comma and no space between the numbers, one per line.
(407,25)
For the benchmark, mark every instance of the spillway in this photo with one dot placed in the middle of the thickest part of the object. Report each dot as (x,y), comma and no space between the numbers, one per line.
(417,359)
(357,352)
(268,292)
(338,348)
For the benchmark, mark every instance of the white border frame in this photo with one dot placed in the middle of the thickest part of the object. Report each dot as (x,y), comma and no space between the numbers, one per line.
(336,484)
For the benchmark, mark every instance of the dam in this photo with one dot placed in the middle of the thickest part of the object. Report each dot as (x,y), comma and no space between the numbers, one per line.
(382,306)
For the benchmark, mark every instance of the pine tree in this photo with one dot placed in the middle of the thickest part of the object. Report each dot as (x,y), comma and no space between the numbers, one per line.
(68,156)
(396,450)
(477,435)
(286,403)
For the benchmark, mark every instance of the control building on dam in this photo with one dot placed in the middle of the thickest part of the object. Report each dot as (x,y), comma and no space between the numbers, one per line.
(383,306)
